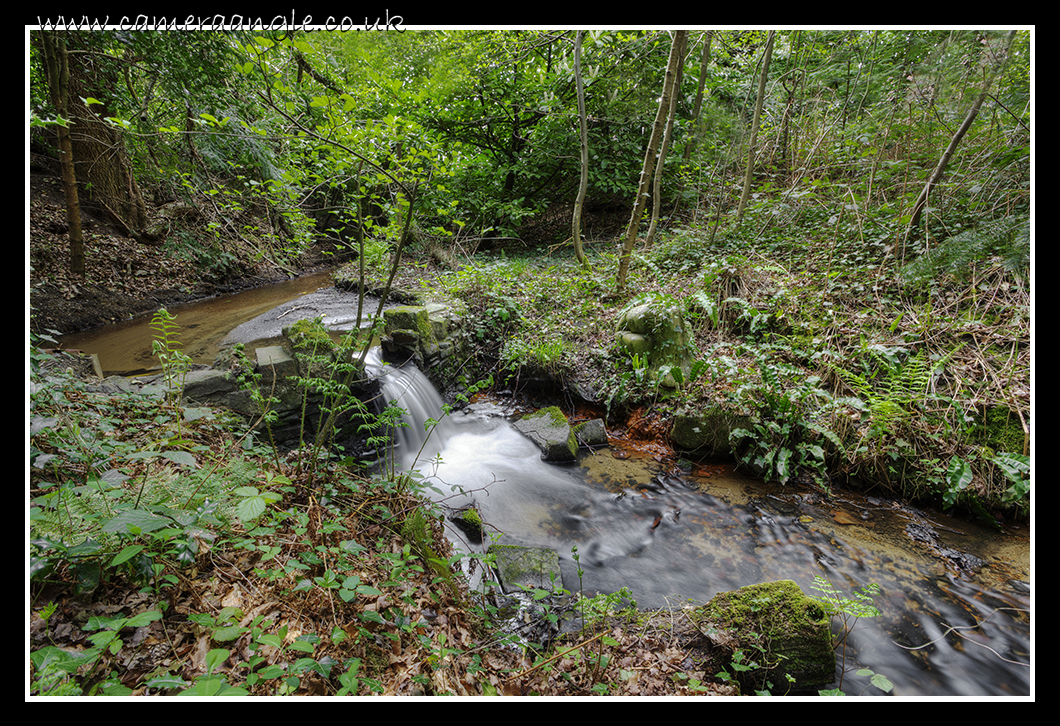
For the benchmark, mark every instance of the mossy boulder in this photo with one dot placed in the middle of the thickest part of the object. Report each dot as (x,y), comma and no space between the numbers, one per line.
(550,430)
(312,346)
(779,628)
(654,331)
(411,318)
(431,335)
(591,432)
(470,523)
(705,431)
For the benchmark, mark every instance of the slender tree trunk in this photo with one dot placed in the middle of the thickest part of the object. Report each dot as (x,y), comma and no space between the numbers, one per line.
(103,166)
(660,165)
(576,222)
(698,108)
(940,168)
(754,129)
(787,144)
(648,168)
(57,68)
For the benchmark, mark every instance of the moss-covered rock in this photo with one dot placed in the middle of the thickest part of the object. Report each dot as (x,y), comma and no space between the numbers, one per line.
(470,523)
(412,318)
(550,430)
(521,567)
(312,345)
(591,433)
(655,332)
(778,627)
(705,431)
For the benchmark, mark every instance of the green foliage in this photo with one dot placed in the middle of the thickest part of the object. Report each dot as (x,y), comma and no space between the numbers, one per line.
(207,254)
(119,495)
(892,384)
(52,669)
(166,347)
(849,610)
(1008,239)
(785,437)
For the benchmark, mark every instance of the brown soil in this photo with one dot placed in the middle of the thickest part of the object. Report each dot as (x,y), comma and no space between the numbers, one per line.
(124,277)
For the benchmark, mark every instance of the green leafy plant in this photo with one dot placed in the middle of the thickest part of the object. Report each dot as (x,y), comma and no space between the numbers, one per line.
(784,438)
(52,668)
(1007,238)
(166,347)
(1017,469)
(849,610)
(891,387)
(212,683)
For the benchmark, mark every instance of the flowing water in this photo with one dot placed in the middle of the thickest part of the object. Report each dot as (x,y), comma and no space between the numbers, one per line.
(955,596)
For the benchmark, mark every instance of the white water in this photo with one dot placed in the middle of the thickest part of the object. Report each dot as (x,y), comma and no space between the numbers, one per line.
(634,525)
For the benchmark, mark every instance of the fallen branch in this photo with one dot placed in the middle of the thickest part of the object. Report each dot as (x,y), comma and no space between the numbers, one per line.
(557,656)
(956,629)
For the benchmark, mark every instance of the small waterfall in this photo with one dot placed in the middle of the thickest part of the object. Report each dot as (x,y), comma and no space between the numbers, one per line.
(425,427)
(637,526)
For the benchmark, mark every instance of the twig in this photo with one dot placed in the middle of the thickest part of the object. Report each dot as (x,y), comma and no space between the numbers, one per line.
(296,307)
(956,629)
(557,656)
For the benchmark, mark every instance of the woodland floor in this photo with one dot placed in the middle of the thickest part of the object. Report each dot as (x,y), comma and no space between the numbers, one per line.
(124,277)
(655,655)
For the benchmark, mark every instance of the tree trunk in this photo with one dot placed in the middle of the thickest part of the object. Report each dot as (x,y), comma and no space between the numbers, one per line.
(754,129)
(698,108)
(656,206)
(647,170)
(576,222)
(57,69)
(102,163)
(940,168)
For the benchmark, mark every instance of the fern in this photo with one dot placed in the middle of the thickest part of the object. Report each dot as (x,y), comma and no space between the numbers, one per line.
(700,303)
(166,347)
(893,389)
(1008,238)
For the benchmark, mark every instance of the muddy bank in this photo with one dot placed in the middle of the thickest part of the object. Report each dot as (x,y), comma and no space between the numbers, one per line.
(88,306)
(124,277)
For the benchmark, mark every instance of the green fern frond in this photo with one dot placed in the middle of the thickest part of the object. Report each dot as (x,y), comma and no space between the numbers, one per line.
(1007,238)
(892,391)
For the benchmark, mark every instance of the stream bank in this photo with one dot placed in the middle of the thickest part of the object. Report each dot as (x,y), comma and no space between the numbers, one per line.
(630,512)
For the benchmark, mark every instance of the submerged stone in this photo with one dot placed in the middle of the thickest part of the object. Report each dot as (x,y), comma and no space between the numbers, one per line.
(523,567)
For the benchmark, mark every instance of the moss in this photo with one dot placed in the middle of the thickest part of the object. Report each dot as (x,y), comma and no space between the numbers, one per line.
(520,567)
(471,522)
(1001,430)
(414,318)
(707,430)
(781,627)
(556,414)
(312,345)
(308,333)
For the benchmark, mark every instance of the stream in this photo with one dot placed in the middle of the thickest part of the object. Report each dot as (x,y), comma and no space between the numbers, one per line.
(954,594)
